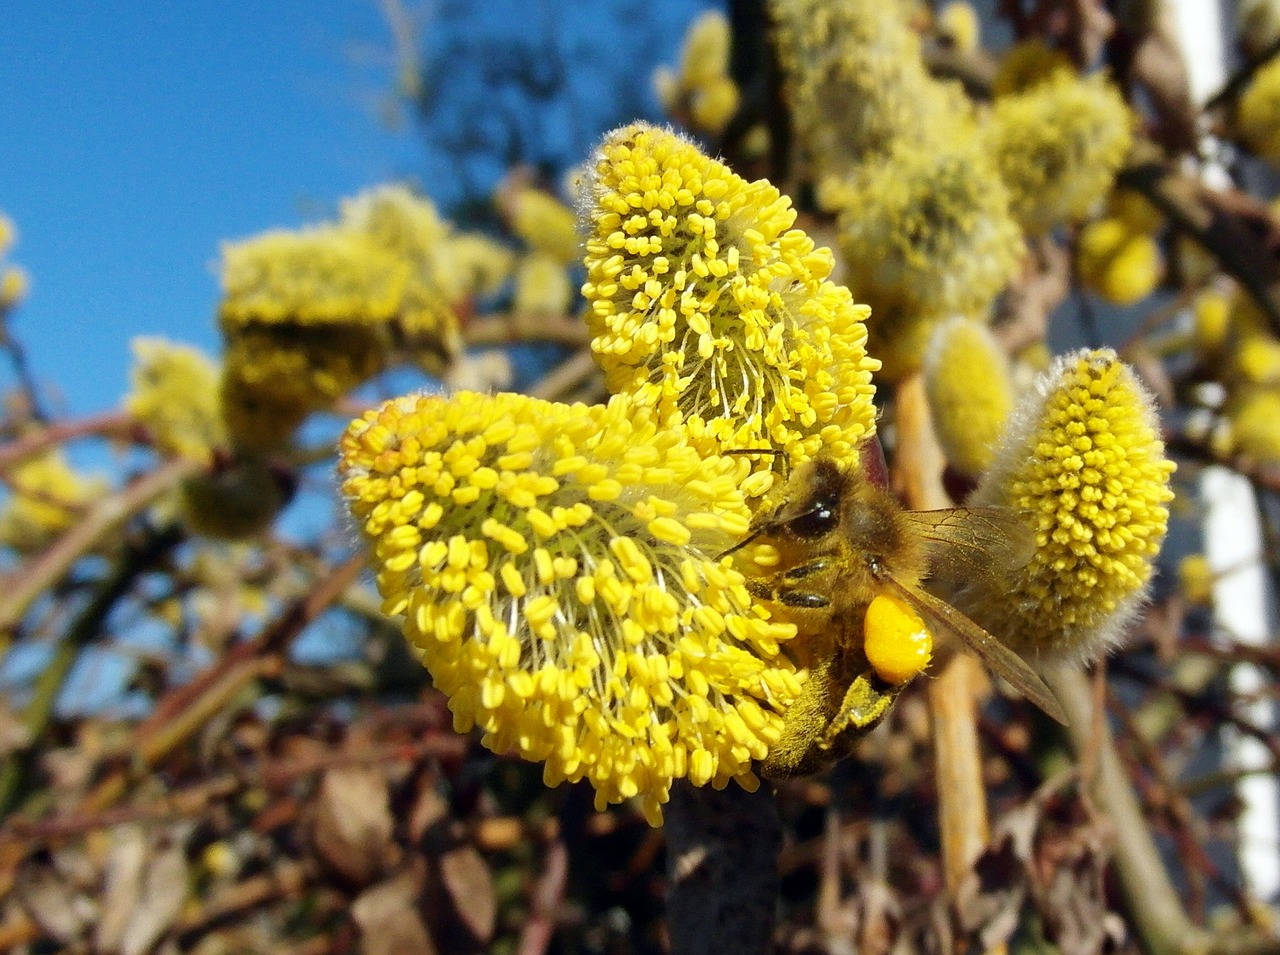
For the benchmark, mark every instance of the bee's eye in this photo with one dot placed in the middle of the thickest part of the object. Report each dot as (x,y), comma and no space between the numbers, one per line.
(818,521)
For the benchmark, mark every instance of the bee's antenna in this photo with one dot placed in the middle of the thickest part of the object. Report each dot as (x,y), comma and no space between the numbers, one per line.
(742,543)
(773,451)
(759,530)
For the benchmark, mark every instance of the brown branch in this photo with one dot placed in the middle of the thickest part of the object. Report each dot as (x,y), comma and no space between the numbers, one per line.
(21,367)
(33,442)
(39,574)
(524,327)
(566,376)
(962,797)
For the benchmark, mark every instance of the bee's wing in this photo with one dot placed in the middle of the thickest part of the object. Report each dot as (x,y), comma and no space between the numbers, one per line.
(964,542)
(1002,661)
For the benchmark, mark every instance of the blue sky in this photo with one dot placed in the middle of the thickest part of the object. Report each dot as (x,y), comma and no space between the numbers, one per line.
(138,135)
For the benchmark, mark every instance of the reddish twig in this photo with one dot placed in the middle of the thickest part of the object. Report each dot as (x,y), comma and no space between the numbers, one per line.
(33,442)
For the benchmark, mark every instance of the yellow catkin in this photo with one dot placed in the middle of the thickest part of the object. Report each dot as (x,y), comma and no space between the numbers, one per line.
(1196,579)
(551,576)
(1257,116)
(407,227)
(1118,263)
(483,263)
(1253,417)
(1029,63)
(970,389)
(706,303)
(47,497)
(235,500)
(927,229)
(1058,146)
(700,90)
(958,24)
(856,82)
(319,276)
(545,224)
(175,397)
(542,286)
(1083,460)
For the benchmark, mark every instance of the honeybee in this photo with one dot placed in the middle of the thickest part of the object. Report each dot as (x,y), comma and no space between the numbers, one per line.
(847,563)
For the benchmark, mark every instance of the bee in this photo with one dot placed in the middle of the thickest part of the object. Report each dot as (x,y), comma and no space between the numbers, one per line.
(847,563)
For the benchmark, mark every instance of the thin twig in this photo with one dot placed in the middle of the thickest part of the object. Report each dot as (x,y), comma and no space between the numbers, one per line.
(565,376)
(35,577)
(133,562)
(33,442)
(21,368)
(1157,912)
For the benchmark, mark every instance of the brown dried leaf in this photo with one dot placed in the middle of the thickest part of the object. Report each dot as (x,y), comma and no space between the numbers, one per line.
(53,904)
(125,864)
(1072,901)
(388,918)
(467,879)
(989,900)
(13,734)
(353,823)
(429,810)
(163,892)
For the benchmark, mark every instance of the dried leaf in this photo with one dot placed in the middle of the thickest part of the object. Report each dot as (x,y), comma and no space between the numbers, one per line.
(13,734)
(126,862)
(61,912)
(990,899)
(429,810)
(353,822)
(467,879)
(1072,901)
(163,892)
(388,917)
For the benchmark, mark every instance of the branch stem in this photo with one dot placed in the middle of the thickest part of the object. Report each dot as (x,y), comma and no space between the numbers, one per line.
(41,573)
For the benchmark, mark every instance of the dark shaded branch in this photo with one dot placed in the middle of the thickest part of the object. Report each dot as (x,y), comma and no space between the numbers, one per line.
(1242,77)
(722,865)
(134,561)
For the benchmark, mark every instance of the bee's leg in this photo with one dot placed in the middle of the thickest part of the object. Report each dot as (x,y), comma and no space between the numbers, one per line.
(808,569)
(764,590)
(790,596)
(801,599)
(867,699)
